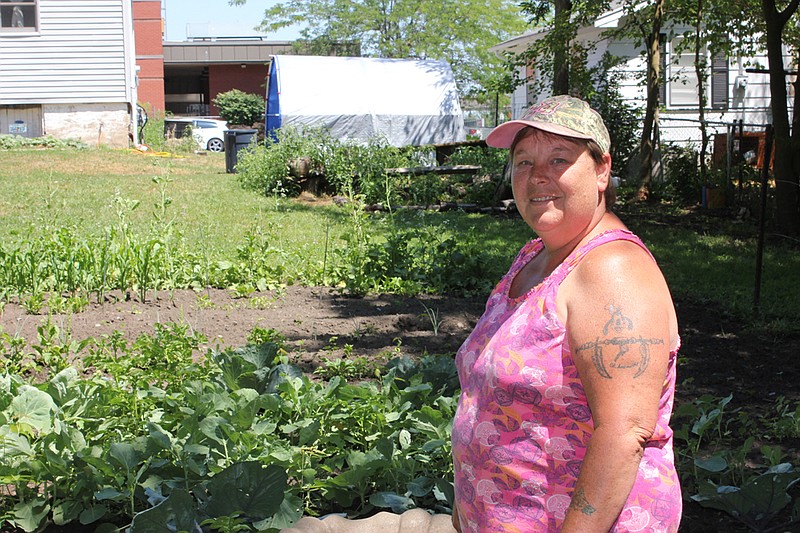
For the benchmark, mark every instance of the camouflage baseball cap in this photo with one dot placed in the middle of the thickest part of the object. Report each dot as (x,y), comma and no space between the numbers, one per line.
(562,115)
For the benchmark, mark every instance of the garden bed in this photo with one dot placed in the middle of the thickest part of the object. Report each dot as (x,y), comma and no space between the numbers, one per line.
(718,356)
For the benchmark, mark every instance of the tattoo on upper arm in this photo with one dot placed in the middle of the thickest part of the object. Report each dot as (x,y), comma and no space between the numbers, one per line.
(627,355)
(580,503)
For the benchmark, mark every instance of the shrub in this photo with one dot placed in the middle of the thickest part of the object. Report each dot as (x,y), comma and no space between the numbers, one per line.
(681,175)
(342,167)
(268,167)
(11,142)
(239,107)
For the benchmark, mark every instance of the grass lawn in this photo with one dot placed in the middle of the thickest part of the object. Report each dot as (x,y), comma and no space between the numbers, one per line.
(94,189)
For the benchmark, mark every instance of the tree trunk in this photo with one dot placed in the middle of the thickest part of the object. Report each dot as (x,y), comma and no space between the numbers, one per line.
(646,146)
(787,160)
(795,138)
(563,9)
(699,68)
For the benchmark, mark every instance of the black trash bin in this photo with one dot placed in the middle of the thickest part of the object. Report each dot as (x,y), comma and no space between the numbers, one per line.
(235,140)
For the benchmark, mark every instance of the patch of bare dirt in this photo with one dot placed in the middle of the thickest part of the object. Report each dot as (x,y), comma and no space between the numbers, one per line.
(313,319)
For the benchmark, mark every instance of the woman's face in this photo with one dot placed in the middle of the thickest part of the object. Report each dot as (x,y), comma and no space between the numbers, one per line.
(558,187)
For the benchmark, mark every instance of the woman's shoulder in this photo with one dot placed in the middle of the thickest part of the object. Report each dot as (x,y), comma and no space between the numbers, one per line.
(620,258)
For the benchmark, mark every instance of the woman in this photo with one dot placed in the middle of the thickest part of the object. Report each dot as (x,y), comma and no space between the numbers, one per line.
(569,376)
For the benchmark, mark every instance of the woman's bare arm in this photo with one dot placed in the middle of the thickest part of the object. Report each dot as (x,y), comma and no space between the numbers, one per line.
(618,318)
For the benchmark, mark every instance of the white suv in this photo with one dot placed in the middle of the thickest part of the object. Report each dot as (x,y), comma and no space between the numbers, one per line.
(209,133)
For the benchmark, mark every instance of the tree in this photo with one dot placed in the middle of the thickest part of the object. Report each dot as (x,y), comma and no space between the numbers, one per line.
(720,30)
(458,31)
(558,54)
(786,166)
(559,57)
(652,33)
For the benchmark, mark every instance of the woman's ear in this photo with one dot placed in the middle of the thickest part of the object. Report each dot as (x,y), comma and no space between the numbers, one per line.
(603,173)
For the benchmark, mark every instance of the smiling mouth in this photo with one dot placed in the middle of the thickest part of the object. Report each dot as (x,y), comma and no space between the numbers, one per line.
(538,199)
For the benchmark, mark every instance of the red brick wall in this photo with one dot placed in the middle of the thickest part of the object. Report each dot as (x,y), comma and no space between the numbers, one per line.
(222,78)
(148,34)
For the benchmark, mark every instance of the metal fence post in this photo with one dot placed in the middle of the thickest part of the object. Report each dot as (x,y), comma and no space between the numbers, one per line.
(762,216)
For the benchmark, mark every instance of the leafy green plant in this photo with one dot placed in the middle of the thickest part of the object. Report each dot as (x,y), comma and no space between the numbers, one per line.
(16,142)
(239,107)
(720,474)
(681,175)
(120,445)
(700,425)
(346,368)
(166,357)
(340,167)
(759,502)
(409,261)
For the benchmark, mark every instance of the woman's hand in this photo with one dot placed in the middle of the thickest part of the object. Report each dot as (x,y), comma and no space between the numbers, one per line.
(456,523)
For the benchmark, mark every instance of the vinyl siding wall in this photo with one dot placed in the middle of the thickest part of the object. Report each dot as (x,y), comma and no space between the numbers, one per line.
(82,55)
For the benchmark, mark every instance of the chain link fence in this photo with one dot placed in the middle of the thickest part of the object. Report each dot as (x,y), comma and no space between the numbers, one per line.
(734,155)
(728,142)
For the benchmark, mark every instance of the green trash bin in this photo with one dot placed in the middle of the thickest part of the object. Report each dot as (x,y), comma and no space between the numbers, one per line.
(235,140)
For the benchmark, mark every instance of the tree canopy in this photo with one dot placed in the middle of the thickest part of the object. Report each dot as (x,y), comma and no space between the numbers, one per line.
(458,31)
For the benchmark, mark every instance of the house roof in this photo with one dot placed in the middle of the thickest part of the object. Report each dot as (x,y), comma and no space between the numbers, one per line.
(223,51)
(609,19)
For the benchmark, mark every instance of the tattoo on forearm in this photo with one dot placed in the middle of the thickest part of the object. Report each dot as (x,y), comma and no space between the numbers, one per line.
(627,356)
(580,503)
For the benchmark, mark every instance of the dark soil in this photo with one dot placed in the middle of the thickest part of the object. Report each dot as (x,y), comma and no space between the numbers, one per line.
(718,355)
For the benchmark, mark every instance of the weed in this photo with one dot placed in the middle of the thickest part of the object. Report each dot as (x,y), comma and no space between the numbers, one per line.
(34,303)
(204,302)
(433,317)
(261,302)
(260,335)
(346,368)
(364,330)
(785,422)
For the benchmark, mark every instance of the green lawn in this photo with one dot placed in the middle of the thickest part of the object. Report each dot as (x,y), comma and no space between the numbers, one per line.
(93,189)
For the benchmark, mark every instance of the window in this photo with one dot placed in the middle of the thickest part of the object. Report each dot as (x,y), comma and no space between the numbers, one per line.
(18,15)
(683,81)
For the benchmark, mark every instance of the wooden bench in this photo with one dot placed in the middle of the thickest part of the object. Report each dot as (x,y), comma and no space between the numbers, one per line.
(442,170)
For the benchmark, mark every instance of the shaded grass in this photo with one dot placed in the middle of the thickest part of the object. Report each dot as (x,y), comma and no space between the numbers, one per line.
(712,261)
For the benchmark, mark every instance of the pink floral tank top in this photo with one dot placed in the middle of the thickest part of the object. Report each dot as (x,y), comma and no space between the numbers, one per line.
(523,422)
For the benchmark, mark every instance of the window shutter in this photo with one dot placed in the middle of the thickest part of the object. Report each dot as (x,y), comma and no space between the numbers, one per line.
(719,82)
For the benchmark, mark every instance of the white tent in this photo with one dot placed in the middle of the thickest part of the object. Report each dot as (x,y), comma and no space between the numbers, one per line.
(407,102)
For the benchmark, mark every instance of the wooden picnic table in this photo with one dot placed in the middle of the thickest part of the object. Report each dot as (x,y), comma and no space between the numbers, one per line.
(445,150)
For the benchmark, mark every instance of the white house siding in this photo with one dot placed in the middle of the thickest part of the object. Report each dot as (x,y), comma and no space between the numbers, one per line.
(78,67)
(750,103)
